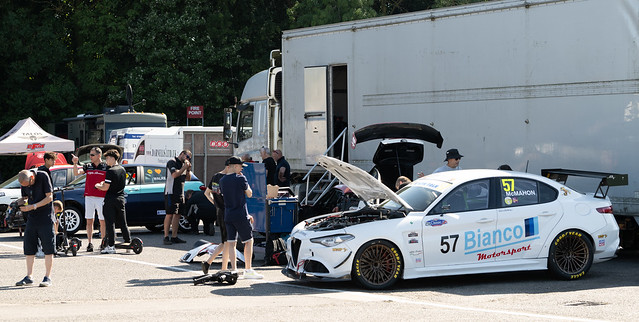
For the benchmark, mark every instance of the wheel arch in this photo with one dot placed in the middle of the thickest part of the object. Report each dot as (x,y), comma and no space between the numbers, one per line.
(553,237)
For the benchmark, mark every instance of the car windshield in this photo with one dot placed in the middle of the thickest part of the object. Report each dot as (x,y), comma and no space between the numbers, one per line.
(78,182)
(418,197)
(11,183)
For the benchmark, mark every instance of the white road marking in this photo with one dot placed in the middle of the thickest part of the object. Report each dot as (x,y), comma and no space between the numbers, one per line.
(354,295)
(10,246)
(179,269)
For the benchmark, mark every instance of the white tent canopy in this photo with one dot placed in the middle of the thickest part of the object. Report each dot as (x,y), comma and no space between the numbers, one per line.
(27,136)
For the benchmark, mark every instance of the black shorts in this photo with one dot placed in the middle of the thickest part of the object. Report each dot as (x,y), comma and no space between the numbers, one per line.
(220,221)
(242,228)
(42,230)
(173,203)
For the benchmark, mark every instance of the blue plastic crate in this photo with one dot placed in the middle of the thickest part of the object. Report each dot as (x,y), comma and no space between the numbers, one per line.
(283,214)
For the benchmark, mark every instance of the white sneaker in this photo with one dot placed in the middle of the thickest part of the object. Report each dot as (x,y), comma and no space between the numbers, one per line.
(108,250)
(251,274)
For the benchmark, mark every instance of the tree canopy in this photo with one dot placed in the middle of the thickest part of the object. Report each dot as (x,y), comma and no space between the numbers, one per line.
(62,58)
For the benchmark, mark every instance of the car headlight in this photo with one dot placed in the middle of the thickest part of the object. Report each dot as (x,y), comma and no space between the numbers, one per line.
(333,240)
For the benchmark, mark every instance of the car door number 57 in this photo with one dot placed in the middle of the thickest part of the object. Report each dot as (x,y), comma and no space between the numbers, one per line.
(446,245)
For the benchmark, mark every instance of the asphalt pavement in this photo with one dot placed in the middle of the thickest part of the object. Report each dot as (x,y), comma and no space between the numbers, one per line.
(155,285)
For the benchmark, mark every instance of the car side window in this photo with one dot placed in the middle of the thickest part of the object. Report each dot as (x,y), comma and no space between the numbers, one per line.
(59,178)
(518,192)
(467,197)
(131,177)
(547,193)
(154,174)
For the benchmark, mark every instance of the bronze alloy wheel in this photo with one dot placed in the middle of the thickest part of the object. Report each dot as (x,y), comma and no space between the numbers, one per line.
(377,265)
(570,254)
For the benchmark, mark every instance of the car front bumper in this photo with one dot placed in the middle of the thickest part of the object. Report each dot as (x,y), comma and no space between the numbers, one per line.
(313,261)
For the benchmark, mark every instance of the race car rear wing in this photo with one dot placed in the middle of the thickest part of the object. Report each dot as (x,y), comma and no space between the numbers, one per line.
(607,179)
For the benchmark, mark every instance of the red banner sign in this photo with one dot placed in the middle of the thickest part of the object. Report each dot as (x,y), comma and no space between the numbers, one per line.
(35,146)
(219,144)
(195,112)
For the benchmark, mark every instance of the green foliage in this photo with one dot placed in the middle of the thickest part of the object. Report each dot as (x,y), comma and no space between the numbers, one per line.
(36,79)
(61,58)
(101,55)
(450,3)
(195,52)
(308,13)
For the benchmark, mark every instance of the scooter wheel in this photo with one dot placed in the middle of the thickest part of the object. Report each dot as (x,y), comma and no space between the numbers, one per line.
(136,245)
(74,248)
(232,279)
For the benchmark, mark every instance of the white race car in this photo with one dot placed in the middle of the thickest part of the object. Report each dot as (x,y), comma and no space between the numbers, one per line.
(453,223)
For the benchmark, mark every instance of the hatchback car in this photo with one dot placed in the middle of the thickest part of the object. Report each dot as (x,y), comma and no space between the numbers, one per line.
(453,223)
(144,193)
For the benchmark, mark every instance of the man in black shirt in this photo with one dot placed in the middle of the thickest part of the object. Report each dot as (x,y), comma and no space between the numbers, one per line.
(282,170)
(37,198)
(114,200)
(49,161)
(269,164)
(178,170)
(198,207)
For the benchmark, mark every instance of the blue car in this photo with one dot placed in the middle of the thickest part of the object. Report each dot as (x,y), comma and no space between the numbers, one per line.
(144,193)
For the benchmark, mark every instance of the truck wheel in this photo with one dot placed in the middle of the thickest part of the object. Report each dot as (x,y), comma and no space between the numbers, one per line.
(571,254)
(73,220)
(377,265)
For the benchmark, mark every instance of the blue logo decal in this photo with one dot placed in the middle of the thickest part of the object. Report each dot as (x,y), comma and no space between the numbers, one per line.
(532,226)
(436,222)
(480,241)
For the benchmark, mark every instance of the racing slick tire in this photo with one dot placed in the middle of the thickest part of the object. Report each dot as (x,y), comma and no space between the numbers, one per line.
(377,265)
(571,254)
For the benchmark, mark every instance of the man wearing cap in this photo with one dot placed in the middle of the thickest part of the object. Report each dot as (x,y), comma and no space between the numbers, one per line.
(235,189)
(452,161)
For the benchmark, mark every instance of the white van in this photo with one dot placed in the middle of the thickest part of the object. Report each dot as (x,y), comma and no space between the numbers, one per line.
(206,143)
(129,138)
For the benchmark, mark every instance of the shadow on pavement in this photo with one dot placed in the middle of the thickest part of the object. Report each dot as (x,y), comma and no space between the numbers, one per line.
(160,282)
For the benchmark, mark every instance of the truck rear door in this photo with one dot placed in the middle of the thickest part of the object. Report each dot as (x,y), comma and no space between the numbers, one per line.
(315,114)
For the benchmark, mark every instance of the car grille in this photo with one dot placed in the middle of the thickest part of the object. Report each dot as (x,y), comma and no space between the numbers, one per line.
(312,266)
(295,249)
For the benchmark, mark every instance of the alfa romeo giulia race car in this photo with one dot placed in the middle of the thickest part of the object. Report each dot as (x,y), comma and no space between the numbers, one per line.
(453,223)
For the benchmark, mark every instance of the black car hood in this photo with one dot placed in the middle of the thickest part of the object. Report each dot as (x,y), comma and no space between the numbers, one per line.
(398,130)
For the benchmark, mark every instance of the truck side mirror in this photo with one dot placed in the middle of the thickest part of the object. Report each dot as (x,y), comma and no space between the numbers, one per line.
(228,120)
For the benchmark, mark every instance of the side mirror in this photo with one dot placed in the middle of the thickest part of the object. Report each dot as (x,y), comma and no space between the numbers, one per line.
(228,120)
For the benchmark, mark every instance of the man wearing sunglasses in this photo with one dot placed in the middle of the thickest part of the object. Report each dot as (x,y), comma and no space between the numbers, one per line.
(178,171)
(452,161)
(93,198)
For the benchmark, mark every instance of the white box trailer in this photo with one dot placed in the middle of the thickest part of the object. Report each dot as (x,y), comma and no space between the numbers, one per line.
(206,143)
(533,84)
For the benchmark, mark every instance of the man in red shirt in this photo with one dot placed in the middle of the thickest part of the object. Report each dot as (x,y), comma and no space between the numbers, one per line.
(93,198)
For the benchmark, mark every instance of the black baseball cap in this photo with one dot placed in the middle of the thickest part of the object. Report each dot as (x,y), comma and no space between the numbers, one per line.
(234,160)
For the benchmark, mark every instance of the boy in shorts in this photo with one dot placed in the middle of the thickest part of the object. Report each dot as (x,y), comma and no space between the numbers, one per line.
(235,190)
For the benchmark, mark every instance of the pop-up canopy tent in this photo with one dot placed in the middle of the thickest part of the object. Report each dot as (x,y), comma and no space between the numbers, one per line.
(27,136)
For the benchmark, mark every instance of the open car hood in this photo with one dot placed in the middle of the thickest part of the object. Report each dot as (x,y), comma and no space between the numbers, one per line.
(360,182)
(398,130)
